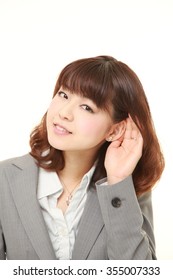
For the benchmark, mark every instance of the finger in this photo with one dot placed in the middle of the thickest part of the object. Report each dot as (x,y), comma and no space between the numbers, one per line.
(135,131)
(128,131)
(116,143)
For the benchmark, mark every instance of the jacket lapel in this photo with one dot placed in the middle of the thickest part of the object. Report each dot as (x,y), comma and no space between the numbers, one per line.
(23,179)
(90,227)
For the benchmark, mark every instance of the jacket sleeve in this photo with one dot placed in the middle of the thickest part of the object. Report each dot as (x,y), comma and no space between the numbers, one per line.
(128,221)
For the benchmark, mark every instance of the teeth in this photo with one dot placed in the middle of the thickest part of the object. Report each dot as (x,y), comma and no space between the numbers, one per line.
(61,129)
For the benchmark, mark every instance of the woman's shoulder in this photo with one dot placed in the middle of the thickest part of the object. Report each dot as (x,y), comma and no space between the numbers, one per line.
(20,161)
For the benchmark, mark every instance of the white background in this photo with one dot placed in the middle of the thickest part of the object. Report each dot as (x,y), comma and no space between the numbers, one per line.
(39,37)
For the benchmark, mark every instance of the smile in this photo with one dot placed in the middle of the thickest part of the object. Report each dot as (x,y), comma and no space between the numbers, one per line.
(60,130)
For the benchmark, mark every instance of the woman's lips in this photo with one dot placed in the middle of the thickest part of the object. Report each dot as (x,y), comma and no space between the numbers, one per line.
(60,130)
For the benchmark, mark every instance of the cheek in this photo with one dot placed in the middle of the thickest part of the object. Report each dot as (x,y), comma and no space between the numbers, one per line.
(87,127)
(94,129)
(48,119)
(52,111)
(52,107)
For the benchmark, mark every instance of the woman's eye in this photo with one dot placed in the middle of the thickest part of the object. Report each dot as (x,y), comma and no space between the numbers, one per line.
(87,108)
(62,94)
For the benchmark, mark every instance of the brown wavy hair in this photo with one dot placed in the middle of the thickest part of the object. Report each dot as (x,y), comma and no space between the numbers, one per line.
(103,79)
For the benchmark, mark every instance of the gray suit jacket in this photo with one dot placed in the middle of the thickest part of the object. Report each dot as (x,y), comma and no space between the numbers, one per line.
(114,224)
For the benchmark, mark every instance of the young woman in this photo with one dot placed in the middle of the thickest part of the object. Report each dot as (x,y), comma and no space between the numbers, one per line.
(84,191)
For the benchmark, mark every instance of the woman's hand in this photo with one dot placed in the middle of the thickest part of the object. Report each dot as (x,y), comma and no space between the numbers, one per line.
(124,153)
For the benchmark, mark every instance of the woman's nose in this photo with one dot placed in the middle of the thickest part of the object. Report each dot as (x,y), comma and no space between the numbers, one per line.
(66,112)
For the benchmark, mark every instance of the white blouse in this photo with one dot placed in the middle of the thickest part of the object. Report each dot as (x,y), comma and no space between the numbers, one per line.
(62,228)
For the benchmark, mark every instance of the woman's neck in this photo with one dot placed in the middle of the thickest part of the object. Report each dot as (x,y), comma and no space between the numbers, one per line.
(77,164)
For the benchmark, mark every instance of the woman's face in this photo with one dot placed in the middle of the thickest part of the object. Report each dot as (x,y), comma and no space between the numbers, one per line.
(75,123)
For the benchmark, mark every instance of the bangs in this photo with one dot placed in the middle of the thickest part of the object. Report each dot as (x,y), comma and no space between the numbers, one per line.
(88,79)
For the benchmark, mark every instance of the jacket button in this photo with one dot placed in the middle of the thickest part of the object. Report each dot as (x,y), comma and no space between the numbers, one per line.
(116,202)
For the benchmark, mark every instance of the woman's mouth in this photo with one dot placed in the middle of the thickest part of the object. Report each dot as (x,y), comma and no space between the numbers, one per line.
(61,130)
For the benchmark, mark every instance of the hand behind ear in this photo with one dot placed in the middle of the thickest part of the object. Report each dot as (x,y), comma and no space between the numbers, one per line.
(124,153)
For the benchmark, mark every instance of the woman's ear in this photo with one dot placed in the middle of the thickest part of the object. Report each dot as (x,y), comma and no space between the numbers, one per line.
(116,132)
